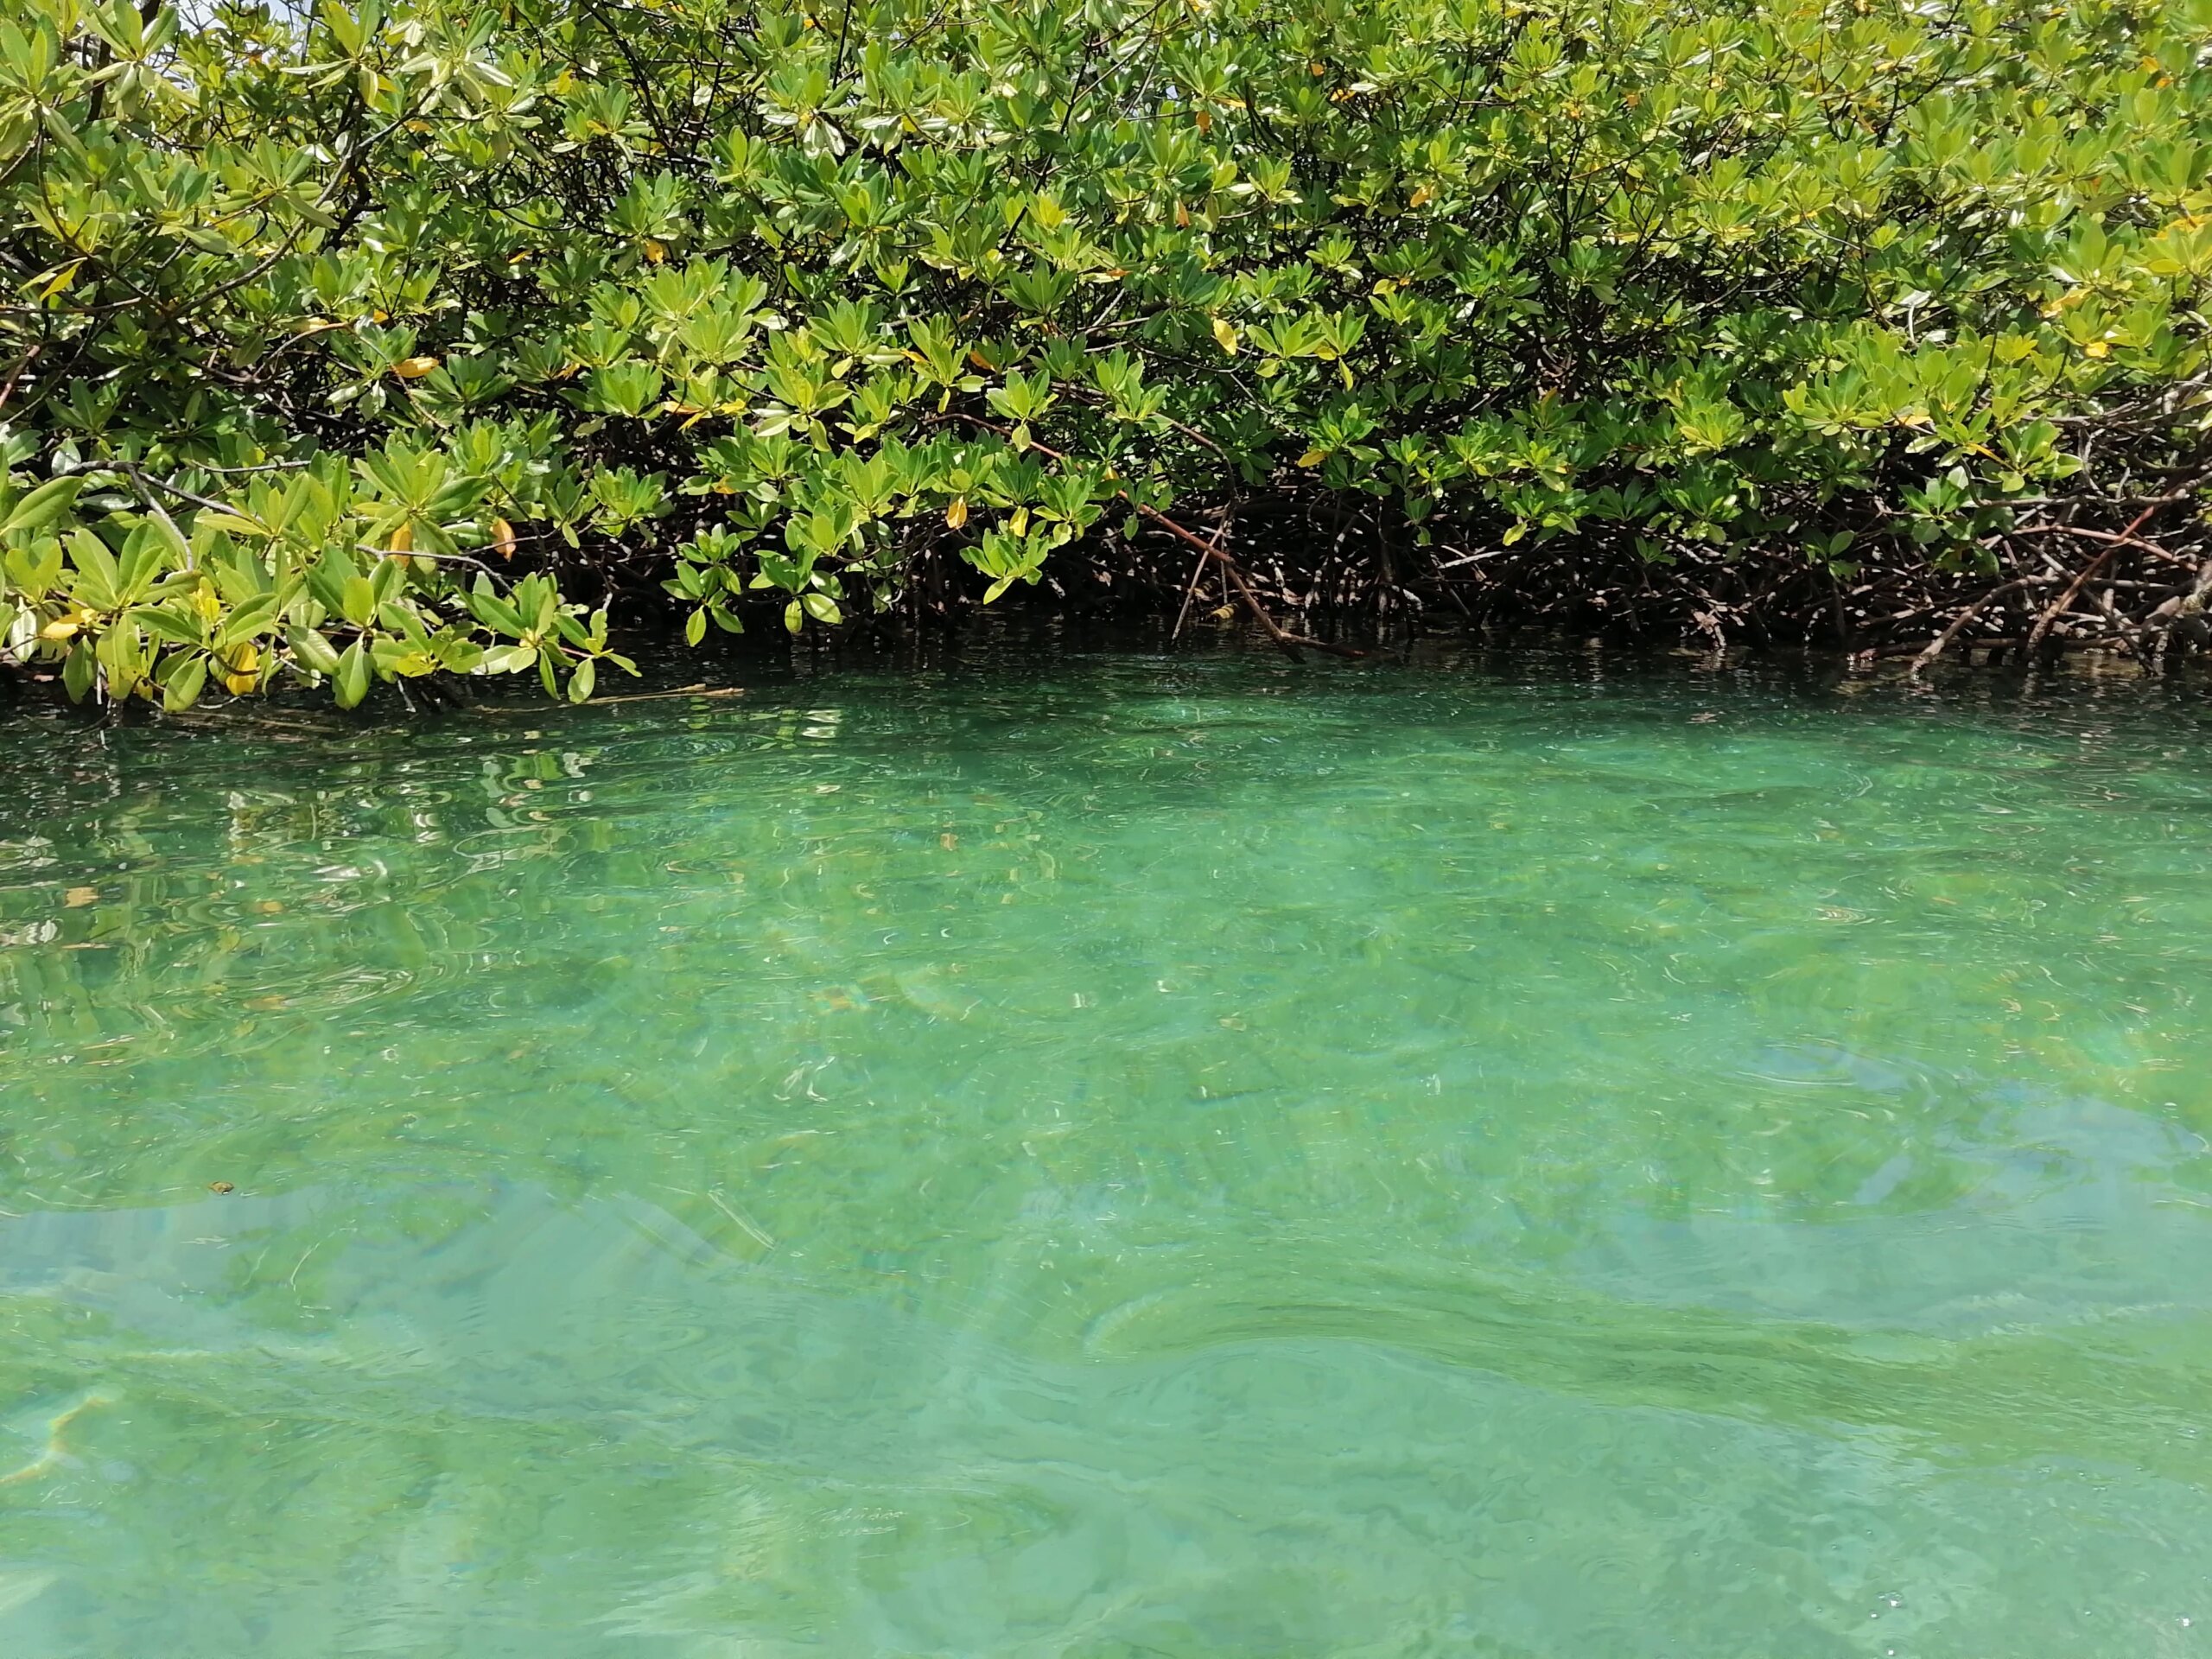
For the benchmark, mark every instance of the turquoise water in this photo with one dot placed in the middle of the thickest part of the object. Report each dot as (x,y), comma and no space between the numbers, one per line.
(1116,1157)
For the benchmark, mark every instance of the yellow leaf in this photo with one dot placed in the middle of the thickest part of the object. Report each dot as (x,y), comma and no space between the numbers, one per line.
(245,659)
(1182,217)
(1206,120)
(1420,197)
(414,368)
(66,275)
(403,539)
(1312,457)
(956,513)
(1226,334)
(60,628)
(237,684)
(2098,348)
(655,252)
(503,538)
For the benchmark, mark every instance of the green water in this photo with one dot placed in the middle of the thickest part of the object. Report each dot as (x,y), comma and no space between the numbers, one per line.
(1112,1157)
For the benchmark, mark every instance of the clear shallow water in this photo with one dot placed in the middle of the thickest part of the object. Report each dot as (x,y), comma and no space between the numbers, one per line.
(1123,1157)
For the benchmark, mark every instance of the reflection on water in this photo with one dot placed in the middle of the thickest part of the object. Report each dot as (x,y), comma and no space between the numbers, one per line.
(1111,1158)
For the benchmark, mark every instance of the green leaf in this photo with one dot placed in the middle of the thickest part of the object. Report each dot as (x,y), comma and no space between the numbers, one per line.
(96,585)
(327,578)
(42,507)
(249,620)
(357,601)
(580,682)
(80,671)
(314,651)
(33,570)
(165,624)
(232,522)
(351,681)
(184,685)
(491,609)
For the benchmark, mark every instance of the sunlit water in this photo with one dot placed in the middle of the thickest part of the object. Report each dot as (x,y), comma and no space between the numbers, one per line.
(1112,1157)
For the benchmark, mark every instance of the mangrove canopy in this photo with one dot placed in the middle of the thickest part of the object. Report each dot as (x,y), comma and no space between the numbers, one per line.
(427,338)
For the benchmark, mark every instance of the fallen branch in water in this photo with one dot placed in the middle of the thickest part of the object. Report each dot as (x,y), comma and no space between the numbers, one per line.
(1190,589)
(2058,607)
(1288,642)
(1942,641)
(1285,641)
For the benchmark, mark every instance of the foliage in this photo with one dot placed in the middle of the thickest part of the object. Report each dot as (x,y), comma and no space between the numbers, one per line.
(363,345)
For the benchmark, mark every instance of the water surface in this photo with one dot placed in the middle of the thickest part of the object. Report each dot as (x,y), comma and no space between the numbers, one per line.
(1114,1157)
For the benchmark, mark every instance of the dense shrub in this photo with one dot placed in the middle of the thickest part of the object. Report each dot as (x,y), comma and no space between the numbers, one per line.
(411,337)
